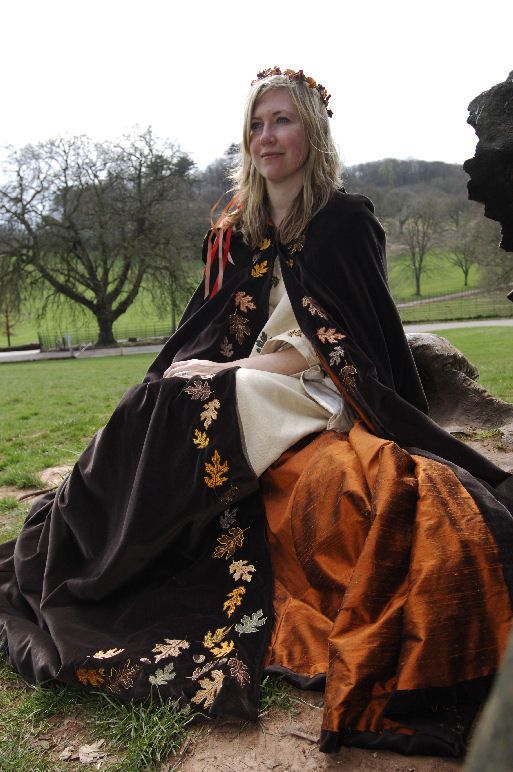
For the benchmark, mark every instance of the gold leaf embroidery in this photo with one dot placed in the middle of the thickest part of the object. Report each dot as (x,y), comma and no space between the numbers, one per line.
(244,302)
(198,389)
(210,688)
(123,677)
(228,543)
(171,647)
(226,348)
(89,677)
(313,307)
(233,600)
(241,569)
(209,413)
(107,654)
(215,471)
(259,269)
(200,439)
(239,326)
(239,671)
(225,648)
(329,335)
(210,639)
(265,244)
(290,262)
(294,333)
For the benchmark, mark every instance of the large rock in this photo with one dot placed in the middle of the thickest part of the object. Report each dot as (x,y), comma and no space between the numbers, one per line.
(491,169)
(455,400)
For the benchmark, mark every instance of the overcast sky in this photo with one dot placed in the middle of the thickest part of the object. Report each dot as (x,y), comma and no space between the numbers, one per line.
(401,73)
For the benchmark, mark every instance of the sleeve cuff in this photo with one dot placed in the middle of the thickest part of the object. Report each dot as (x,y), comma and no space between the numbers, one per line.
(295,339)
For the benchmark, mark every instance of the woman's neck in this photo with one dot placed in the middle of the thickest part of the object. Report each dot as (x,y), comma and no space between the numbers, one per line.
(281,198)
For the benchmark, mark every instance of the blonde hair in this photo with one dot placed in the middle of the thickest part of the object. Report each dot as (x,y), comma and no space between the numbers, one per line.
(321,171)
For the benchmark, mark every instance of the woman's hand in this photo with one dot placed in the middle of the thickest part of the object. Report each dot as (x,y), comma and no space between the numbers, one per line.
(191,367)
(286,362)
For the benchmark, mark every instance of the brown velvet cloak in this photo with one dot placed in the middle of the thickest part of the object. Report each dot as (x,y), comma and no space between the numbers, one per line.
(149,570)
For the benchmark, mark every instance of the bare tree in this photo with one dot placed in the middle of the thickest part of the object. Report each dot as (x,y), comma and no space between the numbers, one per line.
(88,218)
(11,295)
(421,231)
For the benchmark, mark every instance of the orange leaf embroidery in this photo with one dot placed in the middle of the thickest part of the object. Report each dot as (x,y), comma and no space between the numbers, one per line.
(90,677)
(233,600)
(259,269)
(244,302)
(215,471)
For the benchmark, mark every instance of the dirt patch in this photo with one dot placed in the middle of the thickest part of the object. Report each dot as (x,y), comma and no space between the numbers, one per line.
(284,744)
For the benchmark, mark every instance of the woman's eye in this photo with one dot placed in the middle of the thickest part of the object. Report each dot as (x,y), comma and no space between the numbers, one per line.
(283,119)
(255,125)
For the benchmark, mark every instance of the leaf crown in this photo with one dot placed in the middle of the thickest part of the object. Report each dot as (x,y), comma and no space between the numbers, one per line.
(300,76)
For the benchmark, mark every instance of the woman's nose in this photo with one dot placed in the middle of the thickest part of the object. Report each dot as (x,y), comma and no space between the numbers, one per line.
(267,135)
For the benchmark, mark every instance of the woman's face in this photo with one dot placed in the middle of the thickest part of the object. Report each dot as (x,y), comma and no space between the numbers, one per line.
(277,142)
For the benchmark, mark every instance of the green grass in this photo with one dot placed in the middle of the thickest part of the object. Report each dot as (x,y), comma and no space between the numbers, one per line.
(440,278)
(136,736)
(49,410)
(276,694)
(490,349)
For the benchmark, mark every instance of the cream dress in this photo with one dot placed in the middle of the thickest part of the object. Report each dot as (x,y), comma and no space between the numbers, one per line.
(276,411)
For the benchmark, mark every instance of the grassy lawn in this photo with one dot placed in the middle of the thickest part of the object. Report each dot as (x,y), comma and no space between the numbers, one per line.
(49,410)
(490,349)
(440,278)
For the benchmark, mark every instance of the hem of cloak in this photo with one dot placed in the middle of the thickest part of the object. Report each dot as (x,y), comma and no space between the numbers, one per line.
(315,683)
(412,709)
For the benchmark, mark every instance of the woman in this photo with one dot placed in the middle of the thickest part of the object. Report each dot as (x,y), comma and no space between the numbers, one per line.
(156,564)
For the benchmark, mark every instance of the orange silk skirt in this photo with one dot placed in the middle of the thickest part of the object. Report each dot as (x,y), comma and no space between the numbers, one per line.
(387,578)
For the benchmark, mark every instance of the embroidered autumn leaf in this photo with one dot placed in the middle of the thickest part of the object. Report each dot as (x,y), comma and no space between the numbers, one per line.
(226,348)
(209,412)
(294,333)
(199,671)
(348,374)
(89,677)
(217,636)
(290,262)
(239,326)
(260,341)
(239,671)
(296,246)
(200,439)
(198,389)
(241,569)
(225,648)
(234,599)
(123,677)
(329,335)
(163,675)
(250,624)
(145,660)
(210,688)
(313,307)
(170,648)
(228,543)
(230,495)
(336,355)
(215,471)
(107,654)
(244,302)
(265,244)
(228,518)
(259,269)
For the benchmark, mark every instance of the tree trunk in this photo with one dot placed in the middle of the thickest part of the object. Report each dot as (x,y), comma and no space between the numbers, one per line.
(7,328)
(417,283)
(105,334)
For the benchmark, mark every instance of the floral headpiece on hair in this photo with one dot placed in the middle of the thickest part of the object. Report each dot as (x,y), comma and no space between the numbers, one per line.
(297,75)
